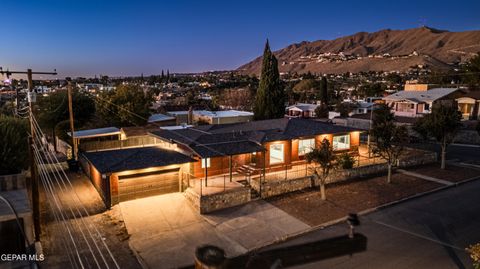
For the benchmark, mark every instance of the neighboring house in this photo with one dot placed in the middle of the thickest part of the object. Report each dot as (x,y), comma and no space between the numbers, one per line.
(211,117)
(301,110)
(162,120)
(201,152)
(416,103)
(469,105)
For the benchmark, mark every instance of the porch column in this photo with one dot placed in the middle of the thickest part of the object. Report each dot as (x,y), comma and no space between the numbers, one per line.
(206,172)
(230,167)
(264,172)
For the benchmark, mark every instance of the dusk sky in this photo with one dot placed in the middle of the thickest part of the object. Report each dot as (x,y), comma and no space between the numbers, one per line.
(87,38)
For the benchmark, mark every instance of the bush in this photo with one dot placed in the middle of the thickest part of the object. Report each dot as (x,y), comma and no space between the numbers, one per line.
(14,145)
(346,161)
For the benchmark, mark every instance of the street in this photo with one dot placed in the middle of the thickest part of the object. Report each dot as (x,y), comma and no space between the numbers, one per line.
(428,232)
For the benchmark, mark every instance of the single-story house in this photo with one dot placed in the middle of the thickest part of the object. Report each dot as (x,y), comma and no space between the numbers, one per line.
(469,105)
(413,103)
(211,117)
(266,144)
(197,153)
(302,110)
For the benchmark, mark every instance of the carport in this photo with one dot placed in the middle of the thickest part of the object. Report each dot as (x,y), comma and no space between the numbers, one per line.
(127,174)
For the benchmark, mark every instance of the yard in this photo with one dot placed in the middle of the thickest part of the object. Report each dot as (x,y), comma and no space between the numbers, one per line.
(451,173)
(349,196)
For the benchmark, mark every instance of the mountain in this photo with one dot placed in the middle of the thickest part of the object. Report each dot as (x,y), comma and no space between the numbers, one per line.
(385,50)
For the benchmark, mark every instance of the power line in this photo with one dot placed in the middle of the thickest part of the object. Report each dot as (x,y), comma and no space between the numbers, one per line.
(63,177)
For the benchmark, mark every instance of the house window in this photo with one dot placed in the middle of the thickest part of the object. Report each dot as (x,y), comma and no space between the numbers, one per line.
(426,107)
(341,142)
(206,162)
(276,153)
(305,146)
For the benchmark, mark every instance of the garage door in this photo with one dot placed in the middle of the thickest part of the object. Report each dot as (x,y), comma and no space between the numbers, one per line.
(144,185)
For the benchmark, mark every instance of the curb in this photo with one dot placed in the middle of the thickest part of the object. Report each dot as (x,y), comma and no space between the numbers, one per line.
(367,211)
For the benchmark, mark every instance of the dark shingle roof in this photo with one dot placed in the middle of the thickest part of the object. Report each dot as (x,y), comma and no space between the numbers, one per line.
(111,161)
(236,138)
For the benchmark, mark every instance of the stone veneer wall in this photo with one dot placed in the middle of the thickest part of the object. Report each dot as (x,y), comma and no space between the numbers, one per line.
(273,188)
(217,201)
(12,182)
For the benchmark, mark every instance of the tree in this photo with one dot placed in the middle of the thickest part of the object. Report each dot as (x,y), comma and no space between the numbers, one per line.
(325,158)
(14,146)
(127,105)
(321,111)
(389,139)
(324,90)
(54,108)
(344,109)
(375,89)
(442,125)
(472,71)
(270,97)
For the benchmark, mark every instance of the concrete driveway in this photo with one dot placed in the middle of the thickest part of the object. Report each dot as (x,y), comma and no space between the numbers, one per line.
(165,229)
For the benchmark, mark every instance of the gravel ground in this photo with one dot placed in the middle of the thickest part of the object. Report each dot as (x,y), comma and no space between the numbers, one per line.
(349,196)
(451,173)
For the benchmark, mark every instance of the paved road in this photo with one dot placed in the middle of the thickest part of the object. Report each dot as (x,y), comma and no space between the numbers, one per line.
(464,153)
(427,232)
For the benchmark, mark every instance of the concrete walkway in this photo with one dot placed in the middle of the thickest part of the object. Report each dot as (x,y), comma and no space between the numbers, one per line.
(437,180)
(166,229)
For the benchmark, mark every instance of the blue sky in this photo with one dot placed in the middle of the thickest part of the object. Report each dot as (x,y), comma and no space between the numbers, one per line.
(87,38)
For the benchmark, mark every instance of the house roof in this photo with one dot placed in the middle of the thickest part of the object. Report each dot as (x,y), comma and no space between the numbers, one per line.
(96,132)
(237,138)
(131,131)
(420,96)
(159,118)
(303,107)
(111,161)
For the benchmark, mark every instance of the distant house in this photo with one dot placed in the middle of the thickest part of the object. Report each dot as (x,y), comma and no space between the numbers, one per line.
(161,120)
(469,105)
(211,117)
(301,110)
(416,103)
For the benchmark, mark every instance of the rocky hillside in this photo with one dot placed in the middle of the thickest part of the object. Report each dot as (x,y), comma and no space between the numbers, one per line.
(385,50)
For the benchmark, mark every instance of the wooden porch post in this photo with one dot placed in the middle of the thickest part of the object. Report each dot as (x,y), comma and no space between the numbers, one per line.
(264,172)
(206,172)
(230,167)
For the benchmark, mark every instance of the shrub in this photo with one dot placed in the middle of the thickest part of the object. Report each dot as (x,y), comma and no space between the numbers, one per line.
(346,161)
(14,145)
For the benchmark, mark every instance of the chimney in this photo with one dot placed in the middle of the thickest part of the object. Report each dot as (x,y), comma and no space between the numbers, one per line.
(190,115)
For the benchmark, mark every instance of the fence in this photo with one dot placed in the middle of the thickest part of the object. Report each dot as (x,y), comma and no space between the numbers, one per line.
(120,144)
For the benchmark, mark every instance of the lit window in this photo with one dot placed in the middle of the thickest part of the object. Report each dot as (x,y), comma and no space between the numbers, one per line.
(305,146)
(341,142)
(276,153)
(206,162)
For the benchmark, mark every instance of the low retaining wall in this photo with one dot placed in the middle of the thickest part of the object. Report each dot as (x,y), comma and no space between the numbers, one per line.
(274,188)
(12,182)
(217,201)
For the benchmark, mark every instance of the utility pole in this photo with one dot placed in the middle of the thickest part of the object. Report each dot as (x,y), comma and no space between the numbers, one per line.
(33,184)
(72,126)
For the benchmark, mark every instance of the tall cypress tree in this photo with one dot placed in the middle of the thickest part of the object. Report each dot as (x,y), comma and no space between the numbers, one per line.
(270,98)
(324,91)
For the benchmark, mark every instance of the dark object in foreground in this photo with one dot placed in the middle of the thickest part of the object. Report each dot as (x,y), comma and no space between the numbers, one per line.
(209,256)
(297,254)
(73,165)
